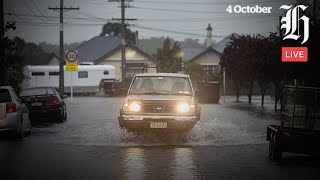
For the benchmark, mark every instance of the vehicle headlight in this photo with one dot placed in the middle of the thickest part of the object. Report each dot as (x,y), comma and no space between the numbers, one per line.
(135,107)
(183,107)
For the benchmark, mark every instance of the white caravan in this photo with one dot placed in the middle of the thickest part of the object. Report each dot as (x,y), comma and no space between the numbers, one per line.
(88,78)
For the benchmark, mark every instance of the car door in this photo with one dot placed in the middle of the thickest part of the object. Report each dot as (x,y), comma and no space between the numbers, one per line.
(22,109)
(4,97)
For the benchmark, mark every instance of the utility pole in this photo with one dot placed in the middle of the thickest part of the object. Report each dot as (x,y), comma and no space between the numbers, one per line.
(315,8)
(2,68)
(61,9)
(123,6)
(123,43)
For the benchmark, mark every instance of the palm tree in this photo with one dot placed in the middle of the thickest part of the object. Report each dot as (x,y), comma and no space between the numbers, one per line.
(168,56)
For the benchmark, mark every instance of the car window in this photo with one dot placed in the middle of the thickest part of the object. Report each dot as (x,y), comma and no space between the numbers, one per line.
(16,95)
(37,92)
(5,96)
(161,84)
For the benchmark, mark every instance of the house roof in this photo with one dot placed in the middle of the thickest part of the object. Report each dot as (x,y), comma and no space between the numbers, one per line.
(118,48)
(97,47)
(221,45)
(190,53)
(210,49)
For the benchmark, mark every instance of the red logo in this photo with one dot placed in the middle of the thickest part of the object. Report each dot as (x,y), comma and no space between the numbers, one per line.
(294,54)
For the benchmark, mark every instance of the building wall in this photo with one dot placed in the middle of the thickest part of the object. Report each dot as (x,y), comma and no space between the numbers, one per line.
(53,61)
(209,60)
(132,56)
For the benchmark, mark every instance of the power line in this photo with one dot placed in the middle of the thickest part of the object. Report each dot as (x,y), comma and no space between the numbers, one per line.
(213,3)
(11,11)
(39,10)
(173,31)
(30,9)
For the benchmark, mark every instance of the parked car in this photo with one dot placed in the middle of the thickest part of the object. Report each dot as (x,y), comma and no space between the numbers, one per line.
(14,114)
(160,101)
(45,104)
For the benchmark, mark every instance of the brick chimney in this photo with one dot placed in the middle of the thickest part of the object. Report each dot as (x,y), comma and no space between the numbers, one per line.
(209,36)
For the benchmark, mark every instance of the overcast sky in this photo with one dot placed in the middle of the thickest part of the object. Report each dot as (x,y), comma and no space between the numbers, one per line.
(178,19)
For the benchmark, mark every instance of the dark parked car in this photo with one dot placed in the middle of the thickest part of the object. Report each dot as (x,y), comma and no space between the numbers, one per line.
(44,103)
(162,101)
(14,115)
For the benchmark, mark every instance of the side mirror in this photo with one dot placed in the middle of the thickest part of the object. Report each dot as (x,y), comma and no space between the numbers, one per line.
(64,95)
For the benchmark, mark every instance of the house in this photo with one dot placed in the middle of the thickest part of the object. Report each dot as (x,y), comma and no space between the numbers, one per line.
(106,50)
(209,57)
(53,59)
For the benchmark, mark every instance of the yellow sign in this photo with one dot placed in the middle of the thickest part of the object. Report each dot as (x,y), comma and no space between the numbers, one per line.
(72,66)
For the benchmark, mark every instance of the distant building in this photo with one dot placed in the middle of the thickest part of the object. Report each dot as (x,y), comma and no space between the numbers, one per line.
(106,50)
(209,57)
(53,59)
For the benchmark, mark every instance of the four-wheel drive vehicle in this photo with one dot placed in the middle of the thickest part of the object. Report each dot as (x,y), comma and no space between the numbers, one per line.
(44,103)
(160,101)
(14,115)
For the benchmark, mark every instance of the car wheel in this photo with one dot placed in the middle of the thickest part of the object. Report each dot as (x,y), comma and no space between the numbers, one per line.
(29,129)
(20,131)
(276,153)
(65,117)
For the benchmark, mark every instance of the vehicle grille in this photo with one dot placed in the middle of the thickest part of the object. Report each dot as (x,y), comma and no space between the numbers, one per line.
(159,107)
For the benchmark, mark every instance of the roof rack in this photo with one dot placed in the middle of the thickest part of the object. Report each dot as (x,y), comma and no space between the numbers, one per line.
(179,68)
(146,67)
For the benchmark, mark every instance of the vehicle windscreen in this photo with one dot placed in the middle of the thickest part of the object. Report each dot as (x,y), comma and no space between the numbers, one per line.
(161,85)
(5,96)
(37,92)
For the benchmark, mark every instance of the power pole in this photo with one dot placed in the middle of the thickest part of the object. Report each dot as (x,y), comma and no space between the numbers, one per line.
(315,8)
(2,68)
(61,9)
(123,20)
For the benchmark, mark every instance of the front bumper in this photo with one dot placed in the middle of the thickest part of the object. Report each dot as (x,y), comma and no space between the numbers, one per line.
(140,122)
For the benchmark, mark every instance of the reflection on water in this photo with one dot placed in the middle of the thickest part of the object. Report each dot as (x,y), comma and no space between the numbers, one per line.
(173,163)
(134,163)
(183,164)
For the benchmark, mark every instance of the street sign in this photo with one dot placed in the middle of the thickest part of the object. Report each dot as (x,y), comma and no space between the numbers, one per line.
(71,65)
(72,60)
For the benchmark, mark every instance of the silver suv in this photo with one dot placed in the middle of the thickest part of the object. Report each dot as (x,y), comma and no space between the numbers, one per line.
(14,115)
(163,101)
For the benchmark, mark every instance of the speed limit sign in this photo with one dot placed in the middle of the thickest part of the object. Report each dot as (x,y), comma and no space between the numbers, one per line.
(72,56)
(71,60)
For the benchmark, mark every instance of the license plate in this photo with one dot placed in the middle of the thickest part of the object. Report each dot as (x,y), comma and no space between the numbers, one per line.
(36,104)
(158,125)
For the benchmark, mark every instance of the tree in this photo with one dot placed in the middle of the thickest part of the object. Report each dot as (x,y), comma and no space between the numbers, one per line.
(238,61)
(115,29)
(195,70)
(12,65)
(168,56)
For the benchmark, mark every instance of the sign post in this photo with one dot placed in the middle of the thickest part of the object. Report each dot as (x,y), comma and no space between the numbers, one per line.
(71,65)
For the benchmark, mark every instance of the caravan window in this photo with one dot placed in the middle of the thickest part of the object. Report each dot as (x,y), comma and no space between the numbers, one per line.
(106,72)
(53,73)
(83,74)
(37,73)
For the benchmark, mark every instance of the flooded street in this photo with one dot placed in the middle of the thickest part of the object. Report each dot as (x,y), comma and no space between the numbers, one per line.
(229,142)
(93,121)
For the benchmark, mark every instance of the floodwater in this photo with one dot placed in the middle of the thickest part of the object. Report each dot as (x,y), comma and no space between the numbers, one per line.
(93,121)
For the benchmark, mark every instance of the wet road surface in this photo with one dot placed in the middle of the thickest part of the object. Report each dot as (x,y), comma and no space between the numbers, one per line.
(228,143)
